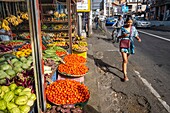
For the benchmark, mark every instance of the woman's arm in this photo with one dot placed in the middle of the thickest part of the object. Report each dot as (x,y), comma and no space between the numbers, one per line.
(138,38)
(123,36)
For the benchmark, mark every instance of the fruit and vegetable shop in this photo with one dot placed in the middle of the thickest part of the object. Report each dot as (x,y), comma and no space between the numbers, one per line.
(42,57)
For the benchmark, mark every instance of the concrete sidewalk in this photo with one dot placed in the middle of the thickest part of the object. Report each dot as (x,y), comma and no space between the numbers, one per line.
(108,93)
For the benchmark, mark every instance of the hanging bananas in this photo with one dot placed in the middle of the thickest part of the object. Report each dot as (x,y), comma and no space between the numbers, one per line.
(14,20)
(5,25)
(24,15)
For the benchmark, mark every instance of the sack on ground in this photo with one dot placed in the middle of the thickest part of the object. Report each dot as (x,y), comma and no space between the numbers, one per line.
(124,43)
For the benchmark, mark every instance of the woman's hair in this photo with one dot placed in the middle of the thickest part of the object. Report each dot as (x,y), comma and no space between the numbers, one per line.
(128,19)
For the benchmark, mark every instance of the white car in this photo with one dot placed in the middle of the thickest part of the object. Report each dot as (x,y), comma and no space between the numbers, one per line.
(141,22)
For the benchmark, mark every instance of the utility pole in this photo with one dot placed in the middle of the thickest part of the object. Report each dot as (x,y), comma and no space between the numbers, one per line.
(137,7)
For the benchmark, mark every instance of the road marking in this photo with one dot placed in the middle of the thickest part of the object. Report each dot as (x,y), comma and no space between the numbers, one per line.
(154,35)
(155,93)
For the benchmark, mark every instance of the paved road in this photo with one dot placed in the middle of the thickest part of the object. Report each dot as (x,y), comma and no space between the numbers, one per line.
(152,60)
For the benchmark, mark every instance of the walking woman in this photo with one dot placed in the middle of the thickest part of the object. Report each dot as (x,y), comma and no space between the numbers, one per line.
(129,32)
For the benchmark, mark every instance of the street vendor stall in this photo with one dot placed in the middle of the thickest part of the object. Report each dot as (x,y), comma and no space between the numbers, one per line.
(40,50)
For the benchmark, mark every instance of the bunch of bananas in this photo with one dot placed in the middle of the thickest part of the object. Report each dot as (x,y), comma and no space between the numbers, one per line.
(5,25)
(14,20)
(56,14)
(24,15)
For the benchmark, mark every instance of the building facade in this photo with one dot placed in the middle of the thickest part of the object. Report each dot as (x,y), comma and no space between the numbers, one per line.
(160,10)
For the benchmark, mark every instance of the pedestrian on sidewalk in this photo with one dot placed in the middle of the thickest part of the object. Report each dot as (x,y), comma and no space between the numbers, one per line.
(128,32)
(96,20)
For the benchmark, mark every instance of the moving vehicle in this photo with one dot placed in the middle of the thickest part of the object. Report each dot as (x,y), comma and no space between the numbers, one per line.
(110,21)
(141,22)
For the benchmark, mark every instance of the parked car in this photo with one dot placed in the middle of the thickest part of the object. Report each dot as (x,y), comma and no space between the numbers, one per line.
(141,22)
(110,21)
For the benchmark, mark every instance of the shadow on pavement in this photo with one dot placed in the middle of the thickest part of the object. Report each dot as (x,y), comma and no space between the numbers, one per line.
(107,40)
(104,66)
(90,109)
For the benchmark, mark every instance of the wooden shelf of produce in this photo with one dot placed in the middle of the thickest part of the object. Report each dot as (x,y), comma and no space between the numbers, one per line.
(53,22)
(46,30)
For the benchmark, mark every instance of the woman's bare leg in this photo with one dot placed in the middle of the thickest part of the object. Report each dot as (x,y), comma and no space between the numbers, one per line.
(124,64)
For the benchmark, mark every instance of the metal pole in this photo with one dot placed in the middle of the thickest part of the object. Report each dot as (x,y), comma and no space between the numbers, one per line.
(69,24)
(36,43)
(90,20)
(137,7)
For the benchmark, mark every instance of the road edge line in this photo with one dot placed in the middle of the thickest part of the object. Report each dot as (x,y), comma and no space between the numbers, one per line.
(154,35)
(153,91)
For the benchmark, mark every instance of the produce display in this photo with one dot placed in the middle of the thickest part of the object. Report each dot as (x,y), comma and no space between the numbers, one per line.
(73,69)
(16,99)
(68,108)
(5,48)
(58,39)
(10,69)
(23,53)
(25,79)
(67,91)
(14,43)
(28,46)
(51,53)
(46,39)
(25,35)
(61,53)
(60,43)
(51,63)
(79,48)
(74,58)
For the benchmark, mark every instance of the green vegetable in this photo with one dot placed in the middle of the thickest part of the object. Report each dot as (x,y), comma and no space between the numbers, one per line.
(30,103)
(15,110)
(20,87)
(21,100)
(27,93)
(11,105)
(2,94)
(10,72)
(24,108)
(5,88)
(9,96)
(0,89)
(13,86)
(3,81)
(33,96)
(2,112)
(17,91)
(27,89)
(6,67)
(17,69)
(2,58)
(23,59)
(14,60)
(29,62)
(18,64)
(30,58)
(25,66)
(3,74)
(2,105)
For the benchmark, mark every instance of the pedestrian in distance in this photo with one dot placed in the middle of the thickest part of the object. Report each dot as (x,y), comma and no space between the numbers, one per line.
(117,28)
(128,32)
(96,20)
